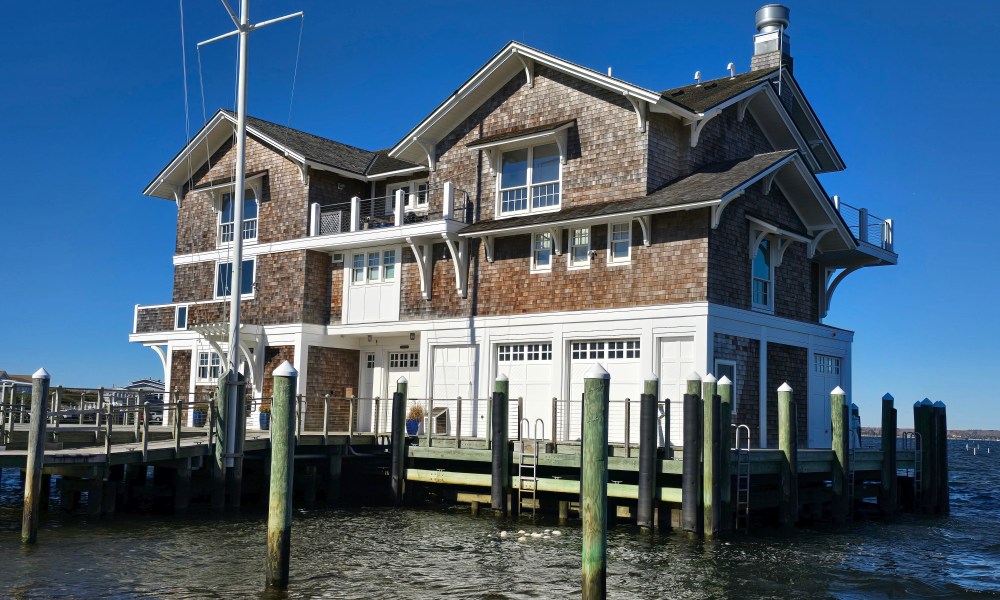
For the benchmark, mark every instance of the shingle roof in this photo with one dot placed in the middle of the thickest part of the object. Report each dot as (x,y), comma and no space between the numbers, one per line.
(516,132)
(711,182)
(383,163)
(699,98)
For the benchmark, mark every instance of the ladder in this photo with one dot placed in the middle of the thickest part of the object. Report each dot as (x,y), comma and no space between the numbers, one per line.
(914,439)
(527,466)
(742,450)
(850,481)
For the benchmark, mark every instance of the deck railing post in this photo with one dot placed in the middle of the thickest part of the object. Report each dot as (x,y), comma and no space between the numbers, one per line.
(787,429)
(711,455)
(499,431)
(628,428)
(355,213)
(299,417)
(647,453)
(398,432)
(375,421)
(594,482)
(145,430)
(350,419)
(691,495)
(841,453)
(555,424)
(58,408)
(725,387)
(888,494)
(135,417)
(36,457)
(279,512)
(458,422)
(98,415)
(399,207)
(108,434)
(430,420)
(326,419)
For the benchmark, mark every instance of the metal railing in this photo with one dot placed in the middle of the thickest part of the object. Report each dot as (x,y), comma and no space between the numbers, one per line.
(623,422)
(395,210)
(866,227)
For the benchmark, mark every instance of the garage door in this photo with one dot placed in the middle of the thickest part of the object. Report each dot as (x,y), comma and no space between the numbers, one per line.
(676,363)
(621,359)
(454,376)
(528,367)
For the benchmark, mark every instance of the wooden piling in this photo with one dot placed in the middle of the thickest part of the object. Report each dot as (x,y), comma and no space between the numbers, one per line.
(333,475)
(942,488)
(691,495)
(922,426)
(36,456)
(647,452)
(725,387)
(711,456)
(217,420)
(563,512)
(594,482)
(182,485)
(840,429)
(888,494)
(279,516)
(234,481)
(398,440)
(788,512)
(500,471)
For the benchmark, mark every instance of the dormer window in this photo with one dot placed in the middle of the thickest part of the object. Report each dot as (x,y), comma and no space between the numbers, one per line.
(226,217)
(530,179)
(762,291)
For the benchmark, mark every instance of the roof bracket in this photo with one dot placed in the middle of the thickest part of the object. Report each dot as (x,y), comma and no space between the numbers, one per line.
(721,206)
(698,125)
(783,244)
(529,67)
(304,173)
(459,249)
(644,224)
(812,245)
(488,246)
(429,149)
(555,234)
(756,237)
(768,181)
(832,286)
(641,109)
(741,108)
(422,251)
(178,192)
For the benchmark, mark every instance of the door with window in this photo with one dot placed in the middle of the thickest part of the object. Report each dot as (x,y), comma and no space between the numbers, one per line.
(414,198)
(824,377)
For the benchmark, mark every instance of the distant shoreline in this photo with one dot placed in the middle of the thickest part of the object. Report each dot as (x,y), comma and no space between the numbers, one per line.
(986,435)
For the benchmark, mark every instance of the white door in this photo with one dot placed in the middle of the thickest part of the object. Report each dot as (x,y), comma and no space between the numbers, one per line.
(454,377)
(621,360)
(825,376)
(398,364)
(676,363)
(369,386)
(528,368)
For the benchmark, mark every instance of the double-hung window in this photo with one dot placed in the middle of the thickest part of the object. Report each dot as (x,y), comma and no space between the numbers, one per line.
(579,251)
(414,195)
(227,216)
(762,289)
(541,252)
(620,242)
(530,179)
(224,279)
(209,366)
(374,267)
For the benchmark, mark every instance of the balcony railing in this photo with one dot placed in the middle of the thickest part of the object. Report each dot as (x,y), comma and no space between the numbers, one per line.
(866,227)
(397,210)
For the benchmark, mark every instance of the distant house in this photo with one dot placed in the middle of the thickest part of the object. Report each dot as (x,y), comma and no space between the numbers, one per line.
(21,384)
(543,218)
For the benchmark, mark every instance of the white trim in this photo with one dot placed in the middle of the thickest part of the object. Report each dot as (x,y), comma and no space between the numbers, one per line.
(215,280)
(535,238)
(612,261)
(177,311)
(570,263)
(397,173)
(529,185)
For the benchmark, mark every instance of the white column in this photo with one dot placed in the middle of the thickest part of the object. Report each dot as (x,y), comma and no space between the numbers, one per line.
(448,206)
(762,375)
(355,225)
(314,219)
(400,202)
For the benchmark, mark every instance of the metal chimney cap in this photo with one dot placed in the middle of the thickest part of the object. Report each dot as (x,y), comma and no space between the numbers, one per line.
(771,17)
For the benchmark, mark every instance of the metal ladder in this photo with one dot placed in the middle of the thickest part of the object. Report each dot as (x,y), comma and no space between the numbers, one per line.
(527,466)
(742,450)
(917,443)
(850,481)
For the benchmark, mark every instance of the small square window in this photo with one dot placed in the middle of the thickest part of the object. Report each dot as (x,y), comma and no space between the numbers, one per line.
(370,361)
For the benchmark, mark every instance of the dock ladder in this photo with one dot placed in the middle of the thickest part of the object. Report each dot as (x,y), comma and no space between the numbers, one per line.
(912,440)
(527,466)
(742,450)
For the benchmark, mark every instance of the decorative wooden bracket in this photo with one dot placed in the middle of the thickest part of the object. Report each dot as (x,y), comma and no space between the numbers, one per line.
(832,286)
(721,206)
(769,181)
(814,243)
(756,237)
(699,124)
(529,67)
(783,244)
(645,225)
(459,249)
(488,246)
(161,352)
(555,234)
(422,251)
(741,108)
(178,192)
(429,149)
(641,108)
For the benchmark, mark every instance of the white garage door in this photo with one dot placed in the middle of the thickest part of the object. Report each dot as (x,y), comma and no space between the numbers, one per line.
(676,363)
(528,368)
(622,361)
(454,376)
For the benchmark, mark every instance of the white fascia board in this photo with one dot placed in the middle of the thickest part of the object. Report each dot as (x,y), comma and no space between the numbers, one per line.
(824,201)
(178,161)
(589,220)
(786,119)
(774,229)
(397,173)
(756,319)
(812,118)
(523,138)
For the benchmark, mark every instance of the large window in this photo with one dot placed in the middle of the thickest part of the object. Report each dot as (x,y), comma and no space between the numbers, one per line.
(377,266)
(529,179)
(579,250)
(763,277)
(209,366)
(620,242)
(541,252)
(414,195)
(226,217)
(224,279)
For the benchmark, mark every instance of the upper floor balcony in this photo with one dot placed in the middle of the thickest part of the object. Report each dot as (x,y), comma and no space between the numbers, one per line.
(866,227)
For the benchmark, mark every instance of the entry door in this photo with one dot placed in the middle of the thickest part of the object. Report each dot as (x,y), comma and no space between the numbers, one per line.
(528,367)
(824,377)
(400,364)
(676,363)
(369,386)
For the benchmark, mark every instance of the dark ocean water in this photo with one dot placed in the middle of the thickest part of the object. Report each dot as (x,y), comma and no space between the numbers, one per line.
(442,553)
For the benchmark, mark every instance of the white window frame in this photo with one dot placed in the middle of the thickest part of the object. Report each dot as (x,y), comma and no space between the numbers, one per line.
(412,195)
(573,246)
(177,317)
(213,365)
(535,267)
(611,243)
(767,307)
(387,273)
(404,360)
(253,286)
(529,181)
(247,195)
(728,363)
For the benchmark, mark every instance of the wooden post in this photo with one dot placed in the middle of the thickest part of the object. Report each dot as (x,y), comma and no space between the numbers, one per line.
(941,461)
(711,456)
(726,453)
(398,440)
(888,499)
(788,510)
(333,474)
(563,512)
(594,483)
(279,510)
(182,485)
(691,496)
(36,456)
(499,483)
(145,430)
(458,423)
(177,426)
(326,419)
(97,416)
(647,453)
(235,478)
(628,427)
(922,425)
(840,429)
(217,420)
(58,417)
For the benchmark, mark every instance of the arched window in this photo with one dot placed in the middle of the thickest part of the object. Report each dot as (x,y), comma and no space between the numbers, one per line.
(762,290)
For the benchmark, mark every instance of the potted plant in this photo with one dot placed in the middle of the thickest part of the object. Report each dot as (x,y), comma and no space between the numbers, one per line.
(265,417)
(200,414)
(414,416)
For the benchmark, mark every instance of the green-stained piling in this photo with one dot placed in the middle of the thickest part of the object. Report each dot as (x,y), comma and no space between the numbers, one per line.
(923,426)
(36,455)
(839,414)
(888,494)
(500,469)
(725,387)
(789,499)
(398,440)
(594,484)
(691,498)
(941,459)
(279,515)
(647,452)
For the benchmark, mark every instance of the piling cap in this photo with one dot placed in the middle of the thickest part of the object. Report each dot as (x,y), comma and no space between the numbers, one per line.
(854,407)
(596,372)
(285,369)
(926,402)
(694,376)
(401,379)
(888,397)
(709,379)
(725,381)
(40,374)
(939,404)
(650,376)
(502,377)
(916,404)
(785,387)
(838,391)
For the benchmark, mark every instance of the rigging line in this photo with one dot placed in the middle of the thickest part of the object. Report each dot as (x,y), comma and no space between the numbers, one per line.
(187,107)
(204,115)
(295,73)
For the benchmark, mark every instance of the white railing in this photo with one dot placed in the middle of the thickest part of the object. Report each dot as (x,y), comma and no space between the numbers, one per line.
(396,210)
(866,227)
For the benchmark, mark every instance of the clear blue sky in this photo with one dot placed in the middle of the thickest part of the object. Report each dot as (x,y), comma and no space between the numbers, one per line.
(93,107)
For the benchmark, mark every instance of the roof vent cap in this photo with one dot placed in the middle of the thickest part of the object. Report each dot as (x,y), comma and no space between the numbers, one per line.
(772,17)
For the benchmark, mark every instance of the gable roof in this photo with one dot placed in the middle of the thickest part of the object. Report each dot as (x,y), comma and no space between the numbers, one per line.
(312,147)
(702,97)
